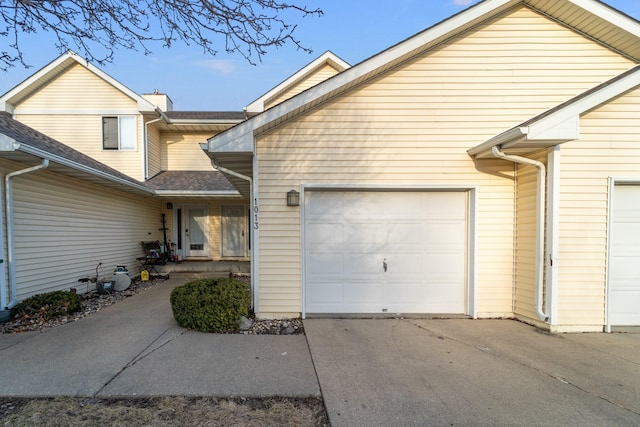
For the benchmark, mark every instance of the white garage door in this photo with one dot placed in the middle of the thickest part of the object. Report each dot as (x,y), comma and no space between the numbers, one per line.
(624,273)
(385,252)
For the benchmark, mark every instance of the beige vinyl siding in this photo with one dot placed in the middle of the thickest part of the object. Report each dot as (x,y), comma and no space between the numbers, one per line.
(65,227)
(321,74)
(526,219)
(70,109)
(413,125)
(84,133)
(609,146)
(77,89)
(181,151)
(153,151)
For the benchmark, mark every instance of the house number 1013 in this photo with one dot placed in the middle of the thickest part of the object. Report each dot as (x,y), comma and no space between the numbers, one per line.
(256,211)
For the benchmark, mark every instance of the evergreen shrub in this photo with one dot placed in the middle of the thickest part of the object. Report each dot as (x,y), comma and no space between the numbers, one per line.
(211,305)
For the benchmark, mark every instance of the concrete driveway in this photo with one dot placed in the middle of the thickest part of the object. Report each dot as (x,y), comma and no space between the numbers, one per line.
(407,372)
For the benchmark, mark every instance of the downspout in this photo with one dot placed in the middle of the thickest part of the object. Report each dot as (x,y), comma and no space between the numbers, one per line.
(145,156)
(10,230)
(254,302)
(539,276)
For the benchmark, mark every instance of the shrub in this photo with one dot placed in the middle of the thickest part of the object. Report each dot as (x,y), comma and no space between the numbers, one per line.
(211,305)
(48,305)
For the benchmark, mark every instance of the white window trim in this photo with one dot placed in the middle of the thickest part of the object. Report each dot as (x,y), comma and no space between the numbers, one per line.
(123,123)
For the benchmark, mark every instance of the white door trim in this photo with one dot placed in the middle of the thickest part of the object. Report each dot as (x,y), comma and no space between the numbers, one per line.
(185,225)
(472,190)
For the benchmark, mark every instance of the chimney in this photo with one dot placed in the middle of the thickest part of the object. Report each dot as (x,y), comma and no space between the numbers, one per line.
(160,100)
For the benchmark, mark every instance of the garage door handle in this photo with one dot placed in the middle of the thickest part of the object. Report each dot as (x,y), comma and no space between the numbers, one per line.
(384,264)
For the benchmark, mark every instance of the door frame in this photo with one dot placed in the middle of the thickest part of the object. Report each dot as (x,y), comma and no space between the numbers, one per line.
(471,305)
(179,230)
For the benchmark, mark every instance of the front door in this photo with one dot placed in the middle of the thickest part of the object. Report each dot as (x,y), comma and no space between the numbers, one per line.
(195,231)
(234,234)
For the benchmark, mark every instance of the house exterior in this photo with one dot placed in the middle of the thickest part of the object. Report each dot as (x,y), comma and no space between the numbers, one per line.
(91,169)
(489,166)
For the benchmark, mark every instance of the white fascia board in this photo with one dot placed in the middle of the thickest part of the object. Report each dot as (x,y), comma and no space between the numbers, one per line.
(567,117)
(609,14)
(257,106)
(565,130)
(366,67)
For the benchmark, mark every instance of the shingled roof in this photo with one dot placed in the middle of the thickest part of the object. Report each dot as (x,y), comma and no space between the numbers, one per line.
(24,144)
(202,182)
(28,142)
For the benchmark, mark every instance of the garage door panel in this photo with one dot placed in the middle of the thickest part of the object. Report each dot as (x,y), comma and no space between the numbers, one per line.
(404,236)
(358,236)
(624,258)
(363,264)
(420,236)
(444,206)
(402,265)
(443,266)
(324,206)
(446,235)
(327,237)
(369,293)
(322,264)
(626,303)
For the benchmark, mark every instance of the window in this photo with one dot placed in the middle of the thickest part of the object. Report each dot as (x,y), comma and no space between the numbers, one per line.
(119,133)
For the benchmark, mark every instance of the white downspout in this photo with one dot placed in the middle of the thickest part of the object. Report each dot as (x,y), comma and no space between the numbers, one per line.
(252,262)
(10,231)
(540,211)
(145,155)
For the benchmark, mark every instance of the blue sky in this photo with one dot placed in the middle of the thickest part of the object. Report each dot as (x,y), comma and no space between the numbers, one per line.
(352,29)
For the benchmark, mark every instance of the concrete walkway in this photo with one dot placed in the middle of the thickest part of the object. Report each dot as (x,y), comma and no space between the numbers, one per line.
(393,372)
(135,348)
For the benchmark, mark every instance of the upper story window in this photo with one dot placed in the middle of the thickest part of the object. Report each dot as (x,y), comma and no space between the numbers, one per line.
(119,133)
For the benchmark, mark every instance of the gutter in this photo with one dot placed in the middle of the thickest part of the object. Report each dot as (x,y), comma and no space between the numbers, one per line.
(10,229)
(540,205)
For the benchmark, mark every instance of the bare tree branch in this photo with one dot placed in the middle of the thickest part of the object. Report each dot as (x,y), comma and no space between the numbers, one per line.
(96,28)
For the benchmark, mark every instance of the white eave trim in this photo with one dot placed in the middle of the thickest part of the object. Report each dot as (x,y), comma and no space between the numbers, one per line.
(328,57)
(609,14)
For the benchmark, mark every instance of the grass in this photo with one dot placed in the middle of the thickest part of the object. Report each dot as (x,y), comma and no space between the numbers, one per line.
(163,411)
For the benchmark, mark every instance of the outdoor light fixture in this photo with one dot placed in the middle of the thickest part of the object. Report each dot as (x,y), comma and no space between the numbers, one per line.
(293,198)
(169,206)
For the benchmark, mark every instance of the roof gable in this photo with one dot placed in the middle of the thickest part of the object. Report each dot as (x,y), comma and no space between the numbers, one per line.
(326,59)
(617,31)
(56,68)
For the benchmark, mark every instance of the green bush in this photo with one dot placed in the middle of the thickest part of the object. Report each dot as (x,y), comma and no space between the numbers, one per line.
(211,305)
(49,305)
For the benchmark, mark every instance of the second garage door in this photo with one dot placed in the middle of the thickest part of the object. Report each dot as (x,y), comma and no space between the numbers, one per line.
(385,252)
